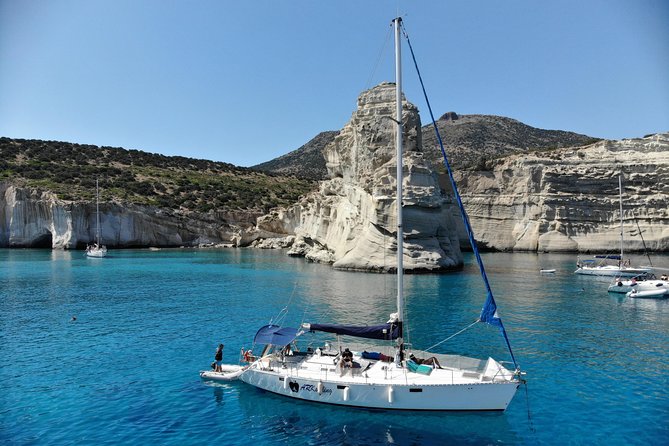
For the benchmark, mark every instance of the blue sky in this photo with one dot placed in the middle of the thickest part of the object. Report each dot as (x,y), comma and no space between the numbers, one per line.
(245,82)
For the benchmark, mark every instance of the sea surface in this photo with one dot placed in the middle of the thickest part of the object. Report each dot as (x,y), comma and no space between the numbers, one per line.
(107,351)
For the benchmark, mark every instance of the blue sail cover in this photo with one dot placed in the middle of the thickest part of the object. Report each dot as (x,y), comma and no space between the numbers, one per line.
(276,335)
(383,331)
(489,312)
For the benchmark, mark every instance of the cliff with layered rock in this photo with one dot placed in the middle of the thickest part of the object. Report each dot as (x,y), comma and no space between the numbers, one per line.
(350,222)
(47,196)
(33,219)
(519,196)
(567,199)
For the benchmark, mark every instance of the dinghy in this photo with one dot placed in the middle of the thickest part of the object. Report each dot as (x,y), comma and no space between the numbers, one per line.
(229,372)
(658,293)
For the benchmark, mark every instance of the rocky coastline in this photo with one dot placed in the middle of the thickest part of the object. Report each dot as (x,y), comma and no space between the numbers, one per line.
(544,200)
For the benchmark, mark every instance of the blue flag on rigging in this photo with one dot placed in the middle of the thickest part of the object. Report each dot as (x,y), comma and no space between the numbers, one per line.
(489,312)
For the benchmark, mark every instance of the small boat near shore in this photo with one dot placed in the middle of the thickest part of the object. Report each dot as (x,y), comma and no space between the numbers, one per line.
(547,271)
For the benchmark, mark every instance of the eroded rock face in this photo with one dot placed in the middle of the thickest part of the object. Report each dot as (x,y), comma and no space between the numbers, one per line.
(567,199)
(351,221)
(29,218)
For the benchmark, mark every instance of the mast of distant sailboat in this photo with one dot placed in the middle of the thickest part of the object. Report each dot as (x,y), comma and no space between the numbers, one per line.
(97,212)
(622,232)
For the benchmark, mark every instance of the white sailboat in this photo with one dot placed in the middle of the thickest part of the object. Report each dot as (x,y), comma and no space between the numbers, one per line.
(611,265)
(384,373)
(97,249)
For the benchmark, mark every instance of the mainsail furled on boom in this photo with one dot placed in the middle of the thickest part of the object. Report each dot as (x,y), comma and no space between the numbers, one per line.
(388,331)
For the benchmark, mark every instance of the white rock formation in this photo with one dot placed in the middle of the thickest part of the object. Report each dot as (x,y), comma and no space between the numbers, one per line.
(567,199)
(351,221)
(29,218)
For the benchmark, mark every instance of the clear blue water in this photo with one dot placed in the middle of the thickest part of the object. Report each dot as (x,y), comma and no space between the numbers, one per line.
(126,370)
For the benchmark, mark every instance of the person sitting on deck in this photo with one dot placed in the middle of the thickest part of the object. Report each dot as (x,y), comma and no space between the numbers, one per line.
(346,360)
(432,360)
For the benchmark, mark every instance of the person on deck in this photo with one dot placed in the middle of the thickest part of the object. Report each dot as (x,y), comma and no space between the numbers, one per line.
(346,360)
(433,361)
(219,358)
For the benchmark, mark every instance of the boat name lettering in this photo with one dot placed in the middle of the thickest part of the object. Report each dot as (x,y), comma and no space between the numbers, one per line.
(314,388)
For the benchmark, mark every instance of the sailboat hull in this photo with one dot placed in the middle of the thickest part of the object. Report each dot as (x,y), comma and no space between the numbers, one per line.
(96,252)
(384,387)
(610,270)
(453,397)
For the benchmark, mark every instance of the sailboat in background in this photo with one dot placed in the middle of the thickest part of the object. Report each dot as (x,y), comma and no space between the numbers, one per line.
(97,249)
(611,265)
(383,372)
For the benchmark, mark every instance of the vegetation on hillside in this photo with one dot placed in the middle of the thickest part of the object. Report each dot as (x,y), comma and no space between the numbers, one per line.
(306,162)
(174,182)
(472,141)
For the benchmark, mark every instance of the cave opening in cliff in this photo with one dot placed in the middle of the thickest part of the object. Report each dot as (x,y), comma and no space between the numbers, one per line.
(42,241)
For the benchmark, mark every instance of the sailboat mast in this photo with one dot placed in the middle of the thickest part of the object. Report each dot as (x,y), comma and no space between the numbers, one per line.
(97,212)
(399,174)
(622,233)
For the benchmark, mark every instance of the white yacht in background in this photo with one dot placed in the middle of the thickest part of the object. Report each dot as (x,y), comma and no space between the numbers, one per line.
(611,265)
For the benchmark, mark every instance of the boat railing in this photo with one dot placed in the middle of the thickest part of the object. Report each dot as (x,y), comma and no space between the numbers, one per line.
(457,362)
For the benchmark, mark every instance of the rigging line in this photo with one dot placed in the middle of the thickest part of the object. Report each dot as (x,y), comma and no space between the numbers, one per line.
(452,336)
(379,58)
(645,250)
(465,218)
(284,311)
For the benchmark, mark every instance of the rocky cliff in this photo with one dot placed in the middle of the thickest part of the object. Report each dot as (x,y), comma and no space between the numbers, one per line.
(350,221)
(567,199)
(470,142)
(557,199)
(29,218)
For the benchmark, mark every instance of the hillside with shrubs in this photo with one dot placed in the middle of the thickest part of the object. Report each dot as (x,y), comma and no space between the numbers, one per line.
(132,176)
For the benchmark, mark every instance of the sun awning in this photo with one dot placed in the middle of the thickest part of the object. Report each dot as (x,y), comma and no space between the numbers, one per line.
(276,335)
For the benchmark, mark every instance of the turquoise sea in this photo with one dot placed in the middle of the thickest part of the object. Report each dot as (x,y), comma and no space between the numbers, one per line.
(125,371)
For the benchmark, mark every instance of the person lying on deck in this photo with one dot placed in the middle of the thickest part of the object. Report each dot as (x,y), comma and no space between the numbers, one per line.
(433,361)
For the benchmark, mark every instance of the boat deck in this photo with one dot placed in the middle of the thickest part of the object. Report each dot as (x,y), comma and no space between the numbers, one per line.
(325,366)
